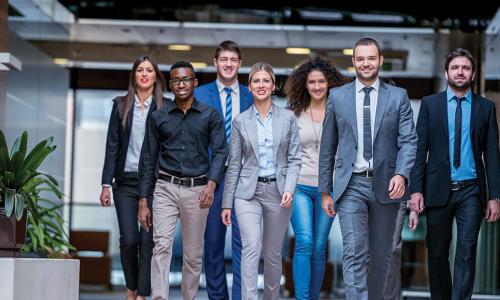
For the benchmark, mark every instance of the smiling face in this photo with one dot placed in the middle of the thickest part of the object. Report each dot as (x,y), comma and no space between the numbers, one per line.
(261,85)
(228,63)
(145,76)
(182,82)
(367,62)
(317,85)
(460,73)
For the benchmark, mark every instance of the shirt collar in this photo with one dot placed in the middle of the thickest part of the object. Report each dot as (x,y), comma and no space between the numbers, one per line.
(147,103)
(235,87)
(256,112)
(172,105)
(451,96)
(360,86)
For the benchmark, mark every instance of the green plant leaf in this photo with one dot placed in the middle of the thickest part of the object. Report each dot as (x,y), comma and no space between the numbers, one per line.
(32,207)
(32,157)
(4,160)
(10,195)
(15,147)
(19,207)
(17,159)
(3,141)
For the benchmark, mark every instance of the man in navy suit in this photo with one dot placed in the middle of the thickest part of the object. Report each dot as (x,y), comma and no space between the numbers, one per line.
(456,175)
(229,98)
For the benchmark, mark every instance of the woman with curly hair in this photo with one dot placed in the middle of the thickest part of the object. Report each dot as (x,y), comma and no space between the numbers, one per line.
(307,88)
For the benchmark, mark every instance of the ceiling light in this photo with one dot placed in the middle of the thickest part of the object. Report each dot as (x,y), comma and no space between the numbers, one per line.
(348,52)
(351,69)
(61,61)
(199,65)
(179,47)
(303,51)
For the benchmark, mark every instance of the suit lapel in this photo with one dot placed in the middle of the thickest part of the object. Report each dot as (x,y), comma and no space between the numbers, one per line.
(443,111)
(277,129)
(215,98)
(383,97)
(251,130)
(351,110)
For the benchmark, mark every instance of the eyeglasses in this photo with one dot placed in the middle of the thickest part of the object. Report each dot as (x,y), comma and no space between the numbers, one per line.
(177,81)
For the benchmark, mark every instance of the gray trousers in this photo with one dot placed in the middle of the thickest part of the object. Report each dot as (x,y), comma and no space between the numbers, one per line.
(172,201)
(367,228)
(264,206)
(393,286)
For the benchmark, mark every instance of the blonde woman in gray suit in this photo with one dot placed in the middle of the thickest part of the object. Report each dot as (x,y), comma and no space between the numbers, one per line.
(264,165)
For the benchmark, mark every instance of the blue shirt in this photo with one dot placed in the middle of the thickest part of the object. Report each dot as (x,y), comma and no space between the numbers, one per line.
(467,168)
(265,135)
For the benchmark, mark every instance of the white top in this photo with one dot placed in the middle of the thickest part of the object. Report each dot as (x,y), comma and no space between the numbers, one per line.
(361,164)
(310,136)
(235,98)
(137,134)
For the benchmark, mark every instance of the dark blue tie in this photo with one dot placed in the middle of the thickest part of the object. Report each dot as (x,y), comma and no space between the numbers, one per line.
(458,132)
(229,113)
(367,125)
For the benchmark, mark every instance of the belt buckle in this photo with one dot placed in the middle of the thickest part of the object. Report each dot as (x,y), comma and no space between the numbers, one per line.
(455,186)
(366,173)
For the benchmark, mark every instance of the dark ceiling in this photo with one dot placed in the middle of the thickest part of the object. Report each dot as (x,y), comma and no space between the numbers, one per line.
(471,16)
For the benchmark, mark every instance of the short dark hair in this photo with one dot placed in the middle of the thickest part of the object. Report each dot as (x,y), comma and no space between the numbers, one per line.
(182,64)
(366,42)
(457,53)
(228,46)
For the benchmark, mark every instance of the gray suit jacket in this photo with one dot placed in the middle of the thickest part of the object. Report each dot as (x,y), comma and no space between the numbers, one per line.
(394,142)
(243,168)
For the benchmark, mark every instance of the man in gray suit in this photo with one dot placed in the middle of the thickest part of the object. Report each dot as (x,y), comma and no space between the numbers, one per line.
(369,140)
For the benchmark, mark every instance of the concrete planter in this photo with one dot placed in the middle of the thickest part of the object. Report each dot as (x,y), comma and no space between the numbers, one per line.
(39,278)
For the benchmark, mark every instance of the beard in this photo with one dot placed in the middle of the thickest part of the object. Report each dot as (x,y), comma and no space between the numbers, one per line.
(464,85)
(372,76)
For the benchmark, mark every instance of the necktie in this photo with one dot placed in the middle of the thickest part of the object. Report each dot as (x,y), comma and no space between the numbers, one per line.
(367,126)
(228,119)
(458,133)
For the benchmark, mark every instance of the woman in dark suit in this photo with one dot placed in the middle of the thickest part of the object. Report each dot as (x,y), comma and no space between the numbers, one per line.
(123,147)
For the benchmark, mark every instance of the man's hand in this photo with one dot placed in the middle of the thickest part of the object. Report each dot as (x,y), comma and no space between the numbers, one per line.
(286,199)
(144,214)
(327,205)
(105,196)
(417,202)
(413,220)
(396,187)
(492,211)
(207,195)
(226,216)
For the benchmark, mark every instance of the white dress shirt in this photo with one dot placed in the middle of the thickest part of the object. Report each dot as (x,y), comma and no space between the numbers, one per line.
(235,98)
(361,164)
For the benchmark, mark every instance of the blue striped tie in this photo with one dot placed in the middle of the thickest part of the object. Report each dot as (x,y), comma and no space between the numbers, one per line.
(227,121)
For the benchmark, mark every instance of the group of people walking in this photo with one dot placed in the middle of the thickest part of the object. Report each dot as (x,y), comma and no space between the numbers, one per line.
(223,154)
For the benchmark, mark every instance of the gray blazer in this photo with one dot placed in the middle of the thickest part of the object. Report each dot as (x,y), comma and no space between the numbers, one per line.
(394,142)
(243,168)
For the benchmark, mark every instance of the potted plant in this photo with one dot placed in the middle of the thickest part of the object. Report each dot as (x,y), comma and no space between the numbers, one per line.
(20,184)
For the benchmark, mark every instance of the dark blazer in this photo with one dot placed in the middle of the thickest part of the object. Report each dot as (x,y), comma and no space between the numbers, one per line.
(209,94)
(117,143)
(431,174)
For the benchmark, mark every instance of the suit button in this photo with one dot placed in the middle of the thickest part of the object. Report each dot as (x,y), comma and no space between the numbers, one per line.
(352,164)
(356,147)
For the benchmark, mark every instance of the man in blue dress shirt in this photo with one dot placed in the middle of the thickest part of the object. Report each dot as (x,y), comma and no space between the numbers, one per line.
(457,172)
(229,98)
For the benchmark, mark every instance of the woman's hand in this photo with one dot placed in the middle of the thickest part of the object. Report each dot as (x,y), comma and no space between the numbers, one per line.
(286,199)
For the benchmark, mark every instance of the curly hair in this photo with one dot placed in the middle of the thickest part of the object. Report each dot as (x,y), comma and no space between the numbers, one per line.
(295,86)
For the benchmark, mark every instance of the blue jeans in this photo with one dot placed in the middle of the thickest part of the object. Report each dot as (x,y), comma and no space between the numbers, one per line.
(311,226)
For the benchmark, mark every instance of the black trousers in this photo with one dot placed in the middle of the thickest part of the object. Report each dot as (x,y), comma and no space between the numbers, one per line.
(136,244)
(465,206)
